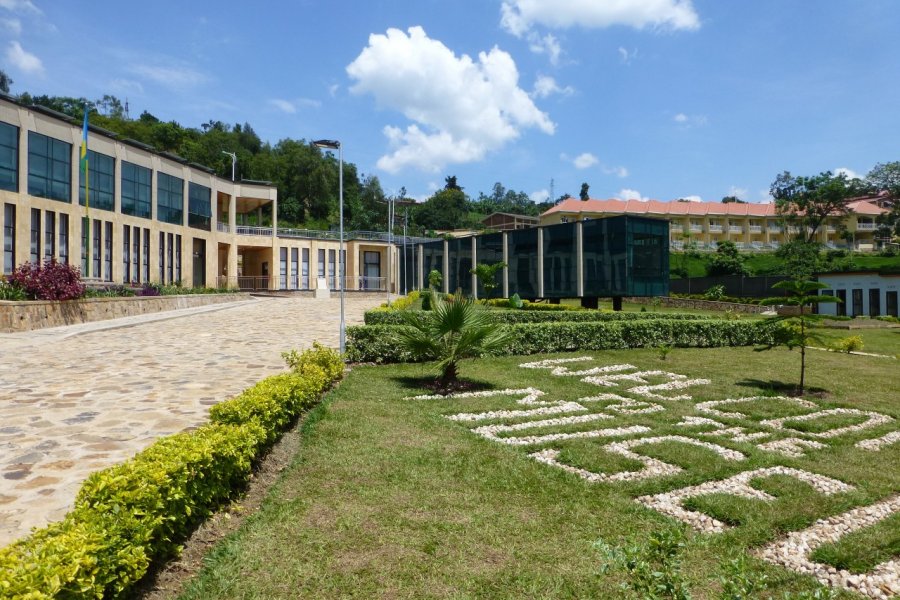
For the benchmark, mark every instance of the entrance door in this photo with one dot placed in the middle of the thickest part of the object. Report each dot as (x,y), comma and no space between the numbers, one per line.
(891,301)
(371,270)
(199,262)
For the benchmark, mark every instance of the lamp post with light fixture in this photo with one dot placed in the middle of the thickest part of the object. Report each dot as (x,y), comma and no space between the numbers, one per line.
(342,259)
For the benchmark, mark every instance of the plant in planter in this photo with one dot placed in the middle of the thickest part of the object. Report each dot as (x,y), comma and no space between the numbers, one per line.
(48,281)
(11,291)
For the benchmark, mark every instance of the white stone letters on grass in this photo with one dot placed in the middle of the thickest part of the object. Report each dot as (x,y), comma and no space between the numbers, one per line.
(670,503)
(711,408)
(876,444)
(793,551)
(873,419)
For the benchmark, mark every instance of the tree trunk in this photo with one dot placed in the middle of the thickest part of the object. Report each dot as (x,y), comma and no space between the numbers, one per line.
(449,375)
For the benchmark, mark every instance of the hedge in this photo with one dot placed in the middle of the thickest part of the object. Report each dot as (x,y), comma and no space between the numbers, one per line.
(377,343)
(131,514)
(378,317)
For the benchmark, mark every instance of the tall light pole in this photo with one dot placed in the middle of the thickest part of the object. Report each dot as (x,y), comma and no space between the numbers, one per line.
(342,259)
(233,156)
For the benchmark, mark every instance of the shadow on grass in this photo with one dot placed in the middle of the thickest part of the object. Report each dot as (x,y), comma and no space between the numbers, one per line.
(432,385)
(782,388)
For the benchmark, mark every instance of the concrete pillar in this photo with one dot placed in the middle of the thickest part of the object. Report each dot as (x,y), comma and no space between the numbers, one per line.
(540,265)
(232,212)
(232,265)
(579,258)
(474,264)
(617,303)
(446,268)
(420,267)
(506,262)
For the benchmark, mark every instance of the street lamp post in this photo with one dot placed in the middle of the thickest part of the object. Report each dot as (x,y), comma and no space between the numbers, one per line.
(233,156)
(342,259)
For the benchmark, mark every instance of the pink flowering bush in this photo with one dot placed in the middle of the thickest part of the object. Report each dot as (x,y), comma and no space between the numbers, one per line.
(48,281)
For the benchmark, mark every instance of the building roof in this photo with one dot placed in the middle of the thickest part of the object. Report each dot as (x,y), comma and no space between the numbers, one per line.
(658,207)
(514,215)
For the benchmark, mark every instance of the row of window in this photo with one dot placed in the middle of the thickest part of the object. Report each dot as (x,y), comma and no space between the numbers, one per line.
(50,174)
(856,302)
(299,269)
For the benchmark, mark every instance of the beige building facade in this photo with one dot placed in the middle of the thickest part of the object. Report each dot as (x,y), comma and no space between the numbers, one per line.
(152,217)
(749,226)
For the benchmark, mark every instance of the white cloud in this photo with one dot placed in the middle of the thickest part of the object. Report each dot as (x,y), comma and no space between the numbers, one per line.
(585,160)
(627,56)
(20,6)
(621,172)
(739,193)
(125,86)
(547,44)
(693,198)
(629,194)
(688,121)
(13,26)
(23,60)
(680,118)
(849,173)
(545,86)
(519,16)
(283,105)
(171,76)
(461,109)
(539,196)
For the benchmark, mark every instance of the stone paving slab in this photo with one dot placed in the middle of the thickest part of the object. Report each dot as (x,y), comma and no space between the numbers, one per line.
(77,399)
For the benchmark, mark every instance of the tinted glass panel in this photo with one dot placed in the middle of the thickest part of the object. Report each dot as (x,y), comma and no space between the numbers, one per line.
(433,259)
(648,256)
(460,265)
(169,199)
(9,157)
(49,167)
(489,251)
(136,190)
(560,266)
(523,260)
(199,206)
(101,181)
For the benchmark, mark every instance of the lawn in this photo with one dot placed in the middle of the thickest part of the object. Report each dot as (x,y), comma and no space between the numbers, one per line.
(878,341)
(389,498)
(767,263)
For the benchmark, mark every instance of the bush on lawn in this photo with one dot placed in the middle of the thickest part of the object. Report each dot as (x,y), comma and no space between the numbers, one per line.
(373,343)
(136,512)
(48,281)
(519,316)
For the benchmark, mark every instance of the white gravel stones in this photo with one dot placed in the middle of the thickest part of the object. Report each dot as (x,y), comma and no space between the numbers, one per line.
(709,408)
(739,434)
(625,405)
(877,444)
(555,437)
(793,550)
(561,407)
(691,421)
(528,395)
(873,420)
(649,391)
(652,466)
(637,376)
(670,503)
(555,369)
(552,362)
(793,447)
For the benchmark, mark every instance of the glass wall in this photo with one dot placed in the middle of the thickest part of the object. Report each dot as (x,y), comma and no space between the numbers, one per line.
(432,259)
(523,260)
(489,251)
(169,199)
(460,265)
(49,167)
(9,238)
(101,181)
(9,157)
(199,206)
(135,190)
(560,261)
(648,256)
(409,264)
(605,259)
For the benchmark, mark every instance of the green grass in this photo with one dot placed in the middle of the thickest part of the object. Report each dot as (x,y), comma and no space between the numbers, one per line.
(861,550)
(766,263)
(389,499)
(878,341)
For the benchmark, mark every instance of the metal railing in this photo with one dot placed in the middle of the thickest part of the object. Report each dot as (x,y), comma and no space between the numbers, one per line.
(715,228)
(735,229)
(251,230)
(697,228)
(865,226)
(755,228)
(222,227)
(773,228)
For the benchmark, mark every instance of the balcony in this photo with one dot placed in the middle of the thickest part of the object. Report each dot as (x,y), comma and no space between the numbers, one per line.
(715,228)
(696,228)
(755,228)
(222,227)
(831,229)
(250,230)
(773,228)
(735,229)
(865,226)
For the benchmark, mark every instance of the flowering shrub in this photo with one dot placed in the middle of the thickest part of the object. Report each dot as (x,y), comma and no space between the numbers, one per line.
(149,289)
(48,281)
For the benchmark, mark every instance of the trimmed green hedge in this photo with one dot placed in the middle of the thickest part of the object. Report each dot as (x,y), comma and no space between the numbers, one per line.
(522,316)
(377,343)
(138,511)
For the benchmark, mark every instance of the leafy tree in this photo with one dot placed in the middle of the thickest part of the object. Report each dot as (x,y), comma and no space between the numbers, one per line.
(885,177)
(446,209)
(727,261)
(504,200)
(450,183)
(808,201)
(732,200)
(798,331)
(5,82)
(487,277)
(449,333)
(800,258)
(584,193)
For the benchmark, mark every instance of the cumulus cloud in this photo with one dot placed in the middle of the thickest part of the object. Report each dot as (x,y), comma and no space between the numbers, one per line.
(546,86)
(23,60)
(519,16)
(629,194)
(585,160)
(849,173)
(461,109)
(693,198)
(539,195)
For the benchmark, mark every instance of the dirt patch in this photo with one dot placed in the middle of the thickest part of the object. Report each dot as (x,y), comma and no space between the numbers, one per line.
(168,580)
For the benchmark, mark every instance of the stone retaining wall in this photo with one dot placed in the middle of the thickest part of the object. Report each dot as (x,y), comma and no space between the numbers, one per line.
(713,305)
(38,314)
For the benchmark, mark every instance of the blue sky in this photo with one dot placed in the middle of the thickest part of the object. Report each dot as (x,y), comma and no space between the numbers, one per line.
(639,98)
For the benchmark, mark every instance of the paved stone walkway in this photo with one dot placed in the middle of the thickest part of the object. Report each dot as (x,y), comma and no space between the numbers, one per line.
(77,399)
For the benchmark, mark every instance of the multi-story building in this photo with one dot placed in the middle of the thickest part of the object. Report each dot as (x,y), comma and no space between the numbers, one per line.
(749,226)
(151,216)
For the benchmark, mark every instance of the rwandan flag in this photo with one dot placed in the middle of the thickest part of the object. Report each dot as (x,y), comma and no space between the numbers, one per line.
(87,202)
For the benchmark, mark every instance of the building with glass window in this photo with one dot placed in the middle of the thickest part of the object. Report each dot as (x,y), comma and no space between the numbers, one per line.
(861,293)
(148,216)
(612,257)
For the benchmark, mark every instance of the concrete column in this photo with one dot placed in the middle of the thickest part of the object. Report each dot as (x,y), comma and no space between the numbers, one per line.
(232,212)
(446,268)
(232,265)
(540,265)
(420,267)
(506,268)
(579,258)
(474,264)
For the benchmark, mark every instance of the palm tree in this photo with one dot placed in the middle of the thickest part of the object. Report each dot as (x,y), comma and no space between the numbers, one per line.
(799,328)
(449,333)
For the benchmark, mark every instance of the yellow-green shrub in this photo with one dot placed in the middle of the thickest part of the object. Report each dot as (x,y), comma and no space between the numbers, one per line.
(853,343)
(138,511)
(327,359)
